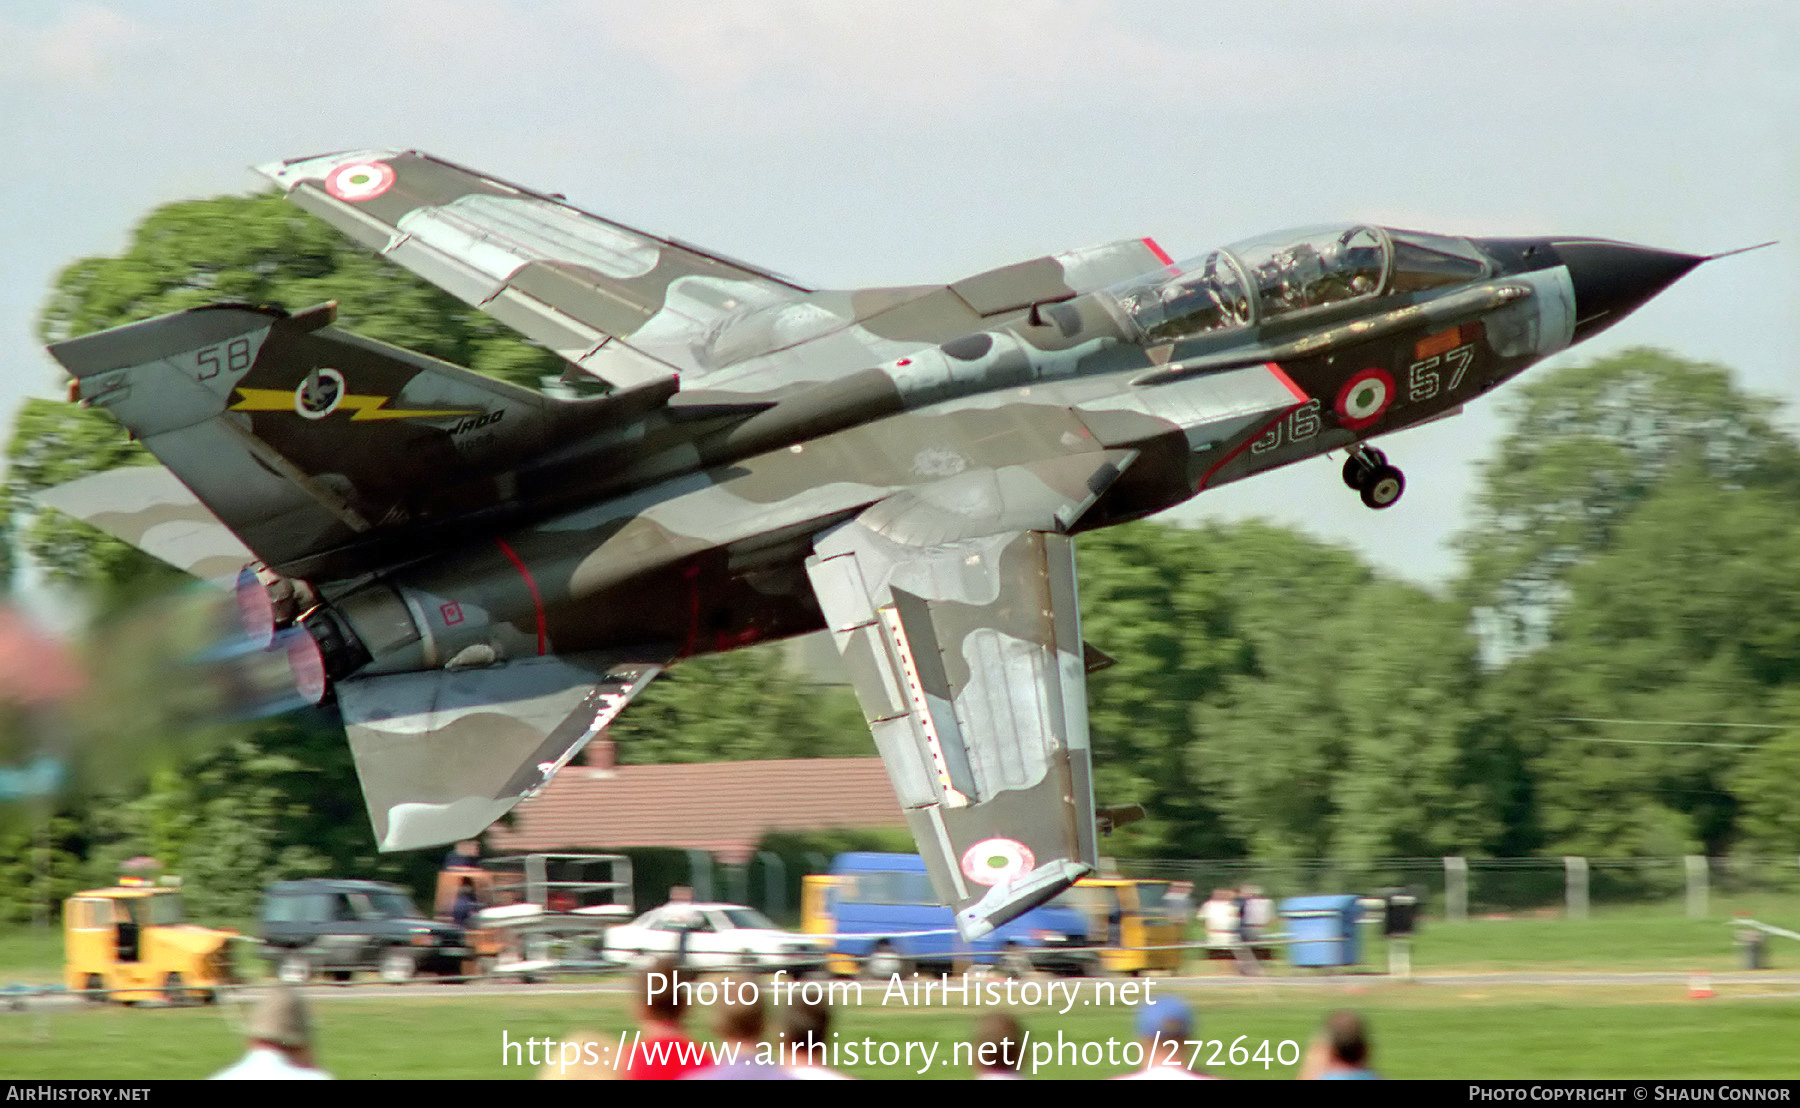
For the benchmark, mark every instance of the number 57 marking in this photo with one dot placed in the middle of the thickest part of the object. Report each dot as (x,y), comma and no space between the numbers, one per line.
(1422,379)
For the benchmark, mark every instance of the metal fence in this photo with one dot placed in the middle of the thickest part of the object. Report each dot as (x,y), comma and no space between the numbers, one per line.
(1460,888)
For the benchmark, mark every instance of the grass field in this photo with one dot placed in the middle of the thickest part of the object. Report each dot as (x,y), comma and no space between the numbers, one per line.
(1421,1030)
(1418,1031)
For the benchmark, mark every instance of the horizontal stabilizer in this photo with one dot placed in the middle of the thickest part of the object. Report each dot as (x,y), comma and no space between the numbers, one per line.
(149,508)
(445,753)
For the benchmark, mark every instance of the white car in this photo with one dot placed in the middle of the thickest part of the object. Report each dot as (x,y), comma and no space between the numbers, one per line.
(713,937)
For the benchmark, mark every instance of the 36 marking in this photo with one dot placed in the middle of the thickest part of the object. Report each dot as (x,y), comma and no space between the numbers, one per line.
(1423,380)
(1300,425)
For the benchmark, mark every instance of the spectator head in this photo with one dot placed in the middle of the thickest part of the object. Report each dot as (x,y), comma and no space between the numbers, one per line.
(999,1040)
(808,1028)
(1347,1039)
(1165,1018)
(665,1003)
(741,1022)
(279,1019)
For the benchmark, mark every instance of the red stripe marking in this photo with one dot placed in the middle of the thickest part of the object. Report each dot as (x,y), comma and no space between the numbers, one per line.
(537,602)
(1243,446)
(1161,254)
(1281,375)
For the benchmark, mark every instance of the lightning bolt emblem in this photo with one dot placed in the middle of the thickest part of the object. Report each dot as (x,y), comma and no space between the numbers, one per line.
(366,407)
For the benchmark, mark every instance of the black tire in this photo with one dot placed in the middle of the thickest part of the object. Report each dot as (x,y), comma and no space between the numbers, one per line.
(175,991)
(294,968)
(1386,484)
(398,965)
(885,962)
(94,988)
(1015,963)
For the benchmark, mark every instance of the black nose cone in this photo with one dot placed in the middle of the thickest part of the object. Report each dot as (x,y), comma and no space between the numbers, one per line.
(1612,279)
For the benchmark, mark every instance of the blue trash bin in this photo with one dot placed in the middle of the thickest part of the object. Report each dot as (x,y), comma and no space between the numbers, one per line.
(1323,930)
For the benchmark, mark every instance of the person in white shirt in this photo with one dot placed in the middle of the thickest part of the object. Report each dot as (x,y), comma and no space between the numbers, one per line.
(280,1035)
(1220,917)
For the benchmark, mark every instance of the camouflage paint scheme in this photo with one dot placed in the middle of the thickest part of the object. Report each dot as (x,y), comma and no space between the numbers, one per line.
(483,575)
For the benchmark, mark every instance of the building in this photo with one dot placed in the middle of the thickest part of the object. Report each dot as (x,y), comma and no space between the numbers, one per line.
(723,808)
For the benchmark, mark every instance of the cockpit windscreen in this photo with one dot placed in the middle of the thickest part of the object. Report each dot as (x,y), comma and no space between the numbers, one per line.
(1260,279)
(1296,270)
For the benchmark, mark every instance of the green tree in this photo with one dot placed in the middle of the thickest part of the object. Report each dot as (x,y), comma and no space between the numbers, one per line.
(1764,784)
(1275,697)
(1691,616)
(1344,734)
(1589,444)
(1152,598)
(259,249)
(739,706)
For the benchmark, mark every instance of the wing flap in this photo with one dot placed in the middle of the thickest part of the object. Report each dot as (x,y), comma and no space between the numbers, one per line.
(443,754)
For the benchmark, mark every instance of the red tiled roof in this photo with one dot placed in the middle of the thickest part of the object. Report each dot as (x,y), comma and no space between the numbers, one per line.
(34,667)
(723,807)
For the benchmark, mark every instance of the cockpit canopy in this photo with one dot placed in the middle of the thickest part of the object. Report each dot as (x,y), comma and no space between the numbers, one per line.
(1262,279)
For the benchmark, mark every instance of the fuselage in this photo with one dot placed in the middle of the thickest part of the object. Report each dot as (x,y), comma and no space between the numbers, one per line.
(688,528)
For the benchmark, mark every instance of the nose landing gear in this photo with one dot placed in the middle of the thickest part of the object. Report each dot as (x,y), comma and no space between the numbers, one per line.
(1368,472)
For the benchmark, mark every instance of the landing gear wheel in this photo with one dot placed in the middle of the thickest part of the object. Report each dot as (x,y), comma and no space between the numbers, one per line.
(1384,488)
(294,969)
(398,965)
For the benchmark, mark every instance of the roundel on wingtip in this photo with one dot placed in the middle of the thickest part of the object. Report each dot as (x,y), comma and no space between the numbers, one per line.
(360,180)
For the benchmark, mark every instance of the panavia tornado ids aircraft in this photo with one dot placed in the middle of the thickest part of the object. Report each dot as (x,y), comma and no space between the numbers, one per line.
(483,576)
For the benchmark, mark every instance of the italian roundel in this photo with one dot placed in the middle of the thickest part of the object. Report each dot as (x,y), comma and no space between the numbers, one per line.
(359,180)
(996,861)
(1365,398)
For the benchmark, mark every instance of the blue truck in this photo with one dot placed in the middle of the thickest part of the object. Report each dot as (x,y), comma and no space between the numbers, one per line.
(886,920)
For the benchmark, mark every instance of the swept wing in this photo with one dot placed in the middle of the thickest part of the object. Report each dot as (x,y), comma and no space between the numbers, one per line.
(647,312)
(621,303)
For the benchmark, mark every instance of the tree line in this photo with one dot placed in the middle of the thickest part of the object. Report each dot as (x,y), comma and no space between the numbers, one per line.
(1633,554)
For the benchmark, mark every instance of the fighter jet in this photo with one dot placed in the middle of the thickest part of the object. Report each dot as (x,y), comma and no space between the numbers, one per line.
(482,576)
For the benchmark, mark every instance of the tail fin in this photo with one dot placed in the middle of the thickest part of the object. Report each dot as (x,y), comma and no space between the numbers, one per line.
(301,438)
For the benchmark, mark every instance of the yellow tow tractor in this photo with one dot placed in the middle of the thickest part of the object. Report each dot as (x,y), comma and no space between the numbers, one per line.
(1127,923)
(134,942)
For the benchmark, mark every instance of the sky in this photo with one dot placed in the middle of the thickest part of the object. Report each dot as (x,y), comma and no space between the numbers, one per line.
(875,143)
